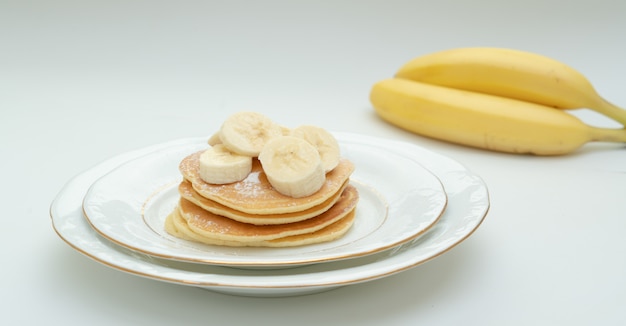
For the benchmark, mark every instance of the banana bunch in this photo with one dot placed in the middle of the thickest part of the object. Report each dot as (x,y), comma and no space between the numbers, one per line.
(295,161)
(497,99)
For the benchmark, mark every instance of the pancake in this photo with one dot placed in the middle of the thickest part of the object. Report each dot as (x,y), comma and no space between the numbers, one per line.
(187,192)
(171,225)
(217,228)
(255,195)
(177,226)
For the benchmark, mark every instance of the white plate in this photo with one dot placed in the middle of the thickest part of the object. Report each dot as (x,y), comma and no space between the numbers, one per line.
(399,200)
(468,204)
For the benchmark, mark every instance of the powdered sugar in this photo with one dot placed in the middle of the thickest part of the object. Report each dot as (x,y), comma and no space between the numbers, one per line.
(250,186)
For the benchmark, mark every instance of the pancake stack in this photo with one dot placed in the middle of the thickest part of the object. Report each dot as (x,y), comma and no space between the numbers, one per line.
(251,212)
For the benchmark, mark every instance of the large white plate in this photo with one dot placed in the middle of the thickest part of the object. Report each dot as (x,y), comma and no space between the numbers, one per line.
(468,204)
(399,200)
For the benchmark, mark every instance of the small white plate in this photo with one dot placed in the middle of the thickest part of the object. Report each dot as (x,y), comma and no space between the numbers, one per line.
(468,204)
(399,200)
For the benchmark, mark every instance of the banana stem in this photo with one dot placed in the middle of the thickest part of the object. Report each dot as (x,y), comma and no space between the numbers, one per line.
(608,135)
(611,110)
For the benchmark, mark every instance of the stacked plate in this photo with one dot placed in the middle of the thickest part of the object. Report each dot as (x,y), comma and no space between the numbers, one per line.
(414,205)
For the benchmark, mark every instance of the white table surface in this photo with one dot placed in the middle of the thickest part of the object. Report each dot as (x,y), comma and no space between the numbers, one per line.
(82,81)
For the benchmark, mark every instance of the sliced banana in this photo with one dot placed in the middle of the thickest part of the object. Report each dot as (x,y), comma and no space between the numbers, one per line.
(285,130)
(218,165)
(293,166)
(324,142)
(214,139)
(246,133)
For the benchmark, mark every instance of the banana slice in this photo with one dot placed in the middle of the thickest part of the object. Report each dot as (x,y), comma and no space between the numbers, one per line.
(214,139)
(285,130)
(246,133)
(218,165)
(324,142)
(293,166)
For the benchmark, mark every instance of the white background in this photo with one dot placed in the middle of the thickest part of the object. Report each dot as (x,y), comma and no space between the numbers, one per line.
(82,81)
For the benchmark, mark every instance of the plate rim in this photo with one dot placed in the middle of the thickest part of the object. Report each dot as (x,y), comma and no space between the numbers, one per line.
(183,277)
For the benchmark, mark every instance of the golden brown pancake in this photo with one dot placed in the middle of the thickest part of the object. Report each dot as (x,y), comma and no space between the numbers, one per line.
(177,226)
(255,195)
(186,191)
(215,229)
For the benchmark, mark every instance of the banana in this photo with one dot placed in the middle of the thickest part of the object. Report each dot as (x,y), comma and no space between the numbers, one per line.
(483,121)
(218,165)
(246,133)
(214,139)
(325,143)
(292,166)
(510,73)
(285,130)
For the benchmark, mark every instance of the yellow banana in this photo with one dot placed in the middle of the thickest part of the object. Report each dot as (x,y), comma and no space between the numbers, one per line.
(510,73)
(483,121)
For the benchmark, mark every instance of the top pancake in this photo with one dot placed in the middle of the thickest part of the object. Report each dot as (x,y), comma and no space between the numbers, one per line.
(255,194)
